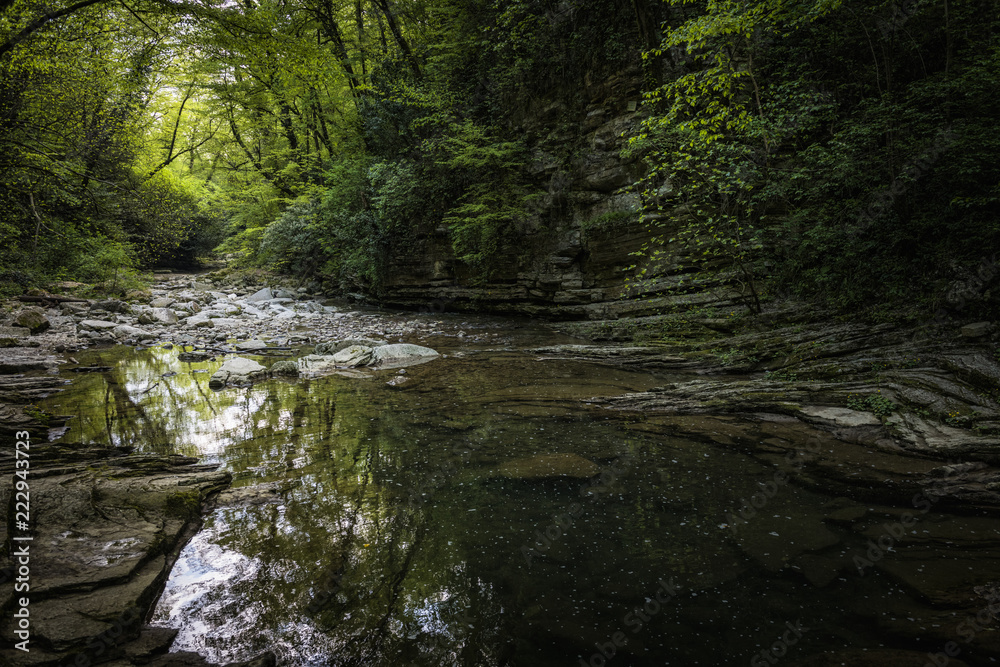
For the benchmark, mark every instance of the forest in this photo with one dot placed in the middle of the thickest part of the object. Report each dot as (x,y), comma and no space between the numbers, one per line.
(838,150)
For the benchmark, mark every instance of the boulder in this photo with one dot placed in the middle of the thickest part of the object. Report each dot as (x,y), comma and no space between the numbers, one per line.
(158,316)
(251,345)
(262,295)
(335,346)
(401,354)
(124,331)
(71,308)
(32,319)
(162,302)
(13,336)
(111,305)
(237,370)
(355,355)
(97,325)
(285,368)
(198,321)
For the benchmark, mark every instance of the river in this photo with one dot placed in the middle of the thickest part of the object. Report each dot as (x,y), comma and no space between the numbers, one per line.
(478,509)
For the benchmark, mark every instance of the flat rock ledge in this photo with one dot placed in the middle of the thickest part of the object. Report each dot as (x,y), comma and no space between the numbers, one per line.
(107,526)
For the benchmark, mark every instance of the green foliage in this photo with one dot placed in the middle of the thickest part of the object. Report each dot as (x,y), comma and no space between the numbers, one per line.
(610,221)
(824,147)
(492,194)
(110,264)
(877,404)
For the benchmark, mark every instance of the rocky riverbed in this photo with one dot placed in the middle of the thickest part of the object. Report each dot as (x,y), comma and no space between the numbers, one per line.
(889,412)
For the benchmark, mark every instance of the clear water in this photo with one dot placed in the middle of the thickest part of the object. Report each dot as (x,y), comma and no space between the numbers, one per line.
(393,533)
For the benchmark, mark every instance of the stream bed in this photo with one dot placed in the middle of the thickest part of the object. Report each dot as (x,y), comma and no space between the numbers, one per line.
(479,510)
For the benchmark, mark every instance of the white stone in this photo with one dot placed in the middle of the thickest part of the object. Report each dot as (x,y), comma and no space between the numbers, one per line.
(261,295)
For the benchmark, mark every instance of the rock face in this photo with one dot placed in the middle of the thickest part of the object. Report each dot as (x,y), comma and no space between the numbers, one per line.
(105,538)
(581,235)
(237,371)
(33,319)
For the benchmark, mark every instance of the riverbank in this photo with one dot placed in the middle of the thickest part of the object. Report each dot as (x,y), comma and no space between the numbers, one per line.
(875,416)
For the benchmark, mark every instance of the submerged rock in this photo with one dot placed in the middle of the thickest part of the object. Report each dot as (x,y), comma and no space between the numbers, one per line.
(237,371)
(545,466)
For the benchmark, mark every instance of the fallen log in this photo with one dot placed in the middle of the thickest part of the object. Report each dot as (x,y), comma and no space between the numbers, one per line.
(51,298)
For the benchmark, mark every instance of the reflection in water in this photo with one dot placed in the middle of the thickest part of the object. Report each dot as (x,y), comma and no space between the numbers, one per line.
(370,523)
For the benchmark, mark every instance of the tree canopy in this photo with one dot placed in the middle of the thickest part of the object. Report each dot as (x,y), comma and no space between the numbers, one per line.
(823,146)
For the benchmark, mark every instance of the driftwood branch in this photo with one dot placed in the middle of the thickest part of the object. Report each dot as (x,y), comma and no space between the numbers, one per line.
(51,298)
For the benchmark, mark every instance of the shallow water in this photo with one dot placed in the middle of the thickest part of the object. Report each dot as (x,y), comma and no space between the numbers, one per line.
(391,535)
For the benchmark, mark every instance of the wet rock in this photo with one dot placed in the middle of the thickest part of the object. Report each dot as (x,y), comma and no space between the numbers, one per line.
(158,316)
(334,346)
(237,371)
(250,345)
(199,321)
(922,435)
(195,356)
(13,336)
(285,369)
(124,331)
(105,537)
(546,466)
(33,319)
(353,356)
(401,354)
